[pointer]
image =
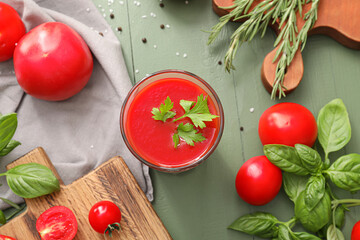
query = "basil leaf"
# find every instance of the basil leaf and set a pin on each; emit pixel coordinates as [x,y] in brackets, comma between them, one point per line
[314,191]
[286,158]
[334,233]
[306,236]
[9,147]
[31,180]
[8,125]
[2,217]
[345,172]
[340,216]
[284,233]
[294,185]
[334,130]
[315,219]
[310,158]
[259,224]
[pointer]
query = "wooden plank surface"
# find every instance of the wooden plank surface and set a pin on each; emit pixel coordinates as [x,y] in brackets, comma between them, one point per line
[111,181]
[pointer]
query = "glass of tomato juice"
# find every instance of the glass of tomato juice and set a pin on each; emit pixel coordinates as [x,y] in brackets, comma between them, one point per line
[152,141]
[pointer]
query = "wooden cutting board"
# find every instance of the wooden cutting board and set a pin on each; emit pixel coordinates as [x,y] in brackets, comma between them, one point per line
[111,181]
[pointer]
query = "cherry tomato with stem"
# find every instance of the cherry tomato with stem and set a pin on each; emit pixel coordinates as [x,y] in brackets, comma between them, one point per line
[355,233]
[288,124]
[11,30]
[105,217]
[52,62]
[58,223]
[258,181]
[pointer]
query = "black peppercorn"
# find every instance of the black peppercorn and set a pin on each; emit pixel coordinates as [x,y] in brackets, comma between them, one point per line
[144,40]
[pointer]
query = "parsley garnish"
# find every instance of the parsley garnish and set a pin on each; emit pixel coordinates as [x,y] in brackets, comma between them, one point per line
[163,112]
[199,113]
[188,133]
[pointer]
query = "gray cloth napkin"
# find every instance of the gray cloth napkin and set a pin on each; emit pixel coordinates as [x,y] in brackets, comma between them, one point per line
[82,132]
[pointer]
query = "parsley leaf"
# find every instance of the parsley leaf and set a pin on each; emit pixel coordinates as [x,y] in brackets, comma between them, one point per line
[188,133]
[163,112]
[199,113]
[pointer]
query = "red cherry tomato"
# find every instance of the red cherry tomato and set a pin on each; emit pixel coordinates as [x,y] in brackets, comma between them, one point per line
[3,237]
[104,217]
[258,181]
[11,30]
[288,124]
[52,62]
[57,223]
[355,234]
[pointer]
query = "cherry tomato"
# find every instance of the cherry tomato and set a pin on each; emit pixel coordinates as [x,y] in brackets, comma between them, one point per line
[288,124]
[11,30]
[52,62]
[258,181]
[105,217]
[355,234]
[57,223]
[3,237]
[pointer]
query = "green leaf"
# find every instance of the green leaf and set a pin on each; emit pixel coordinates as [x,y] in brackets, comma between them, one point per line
[334,126]
[199,114]
[286,158]
[306,236]
[9,147]
[31,180]
[340,216]
[14,205]
[188,133]
[317,218]
[334,233]
[294,185]
[163,112]
[284,233]
[345,172]
[314,191]
[310,158]
[260,224]
[8,125]
[2,217]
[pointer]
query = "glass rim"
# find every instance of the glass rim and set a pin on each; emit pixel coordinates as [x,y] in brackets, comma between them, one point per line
[191,164]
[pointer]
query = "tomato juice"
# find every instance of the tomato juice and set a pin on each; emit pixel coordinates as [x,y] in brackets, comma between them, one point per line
[152,140]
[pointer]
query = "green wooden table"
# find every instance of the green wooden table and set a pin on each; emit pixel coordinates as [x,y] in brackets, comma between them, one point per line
[201,203]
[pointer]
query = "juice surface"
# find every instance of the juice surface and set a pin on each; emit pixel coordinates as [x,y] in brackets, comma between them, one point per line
[153,139]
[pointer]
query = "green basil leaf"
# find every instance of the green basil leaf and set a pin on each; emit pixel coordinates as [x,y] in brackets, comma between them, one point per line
[306,236]
[31,180]
[314,191]
[294,185]
[259,224]
[334,233]
[345,172]
[340,216]
[284,233]
[334,130]
[310,158]
[2,217]
[317,218]
[9,147]
[286,158]
[8,125]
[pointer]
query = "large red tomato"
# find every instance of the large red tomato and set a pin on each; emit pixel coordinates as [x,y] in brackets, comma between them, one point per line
[355,234]
[258,181]
[11,30]
[52,62]
[288,124]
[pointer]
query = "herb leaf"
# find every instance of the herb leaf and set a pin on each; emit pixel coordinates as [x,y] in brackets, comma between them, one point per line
[188,133]
[284,233]
[294,185]
[199,113]
[306,236]
[333,233]
[314,191]
[260,224]
[9,147]
[309,157]
[8,125]
[163,112]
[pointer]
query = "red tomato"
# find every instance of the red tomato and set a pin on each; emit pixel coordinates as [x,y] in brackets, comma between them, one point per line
[3,237]
[57,223]
[52,62]
[11,30]
[288,124]
[355,234]
[105,217]
[258,181]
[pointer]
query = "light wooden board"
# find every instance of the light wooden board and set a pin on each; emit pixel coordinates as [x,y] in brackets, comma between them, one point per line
[111,181]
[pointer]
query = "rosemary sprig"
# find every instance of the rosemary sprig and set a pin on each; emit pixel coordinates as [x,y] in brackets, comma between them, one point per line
[288,40]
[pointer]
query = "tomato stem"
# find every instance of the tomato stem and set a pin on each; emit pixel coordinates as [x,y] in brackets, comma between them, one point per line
[111,227]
